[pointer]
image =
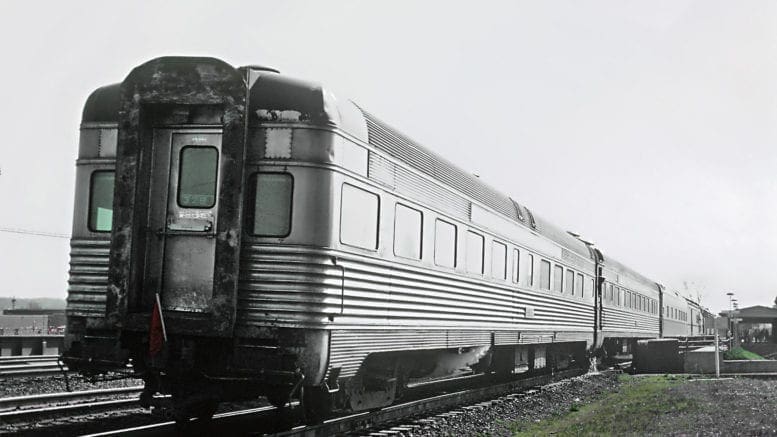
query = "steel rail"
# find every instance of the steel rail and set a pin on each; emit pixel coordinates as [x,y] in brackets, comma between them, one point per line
[16,402]
[27,358]
[251,419]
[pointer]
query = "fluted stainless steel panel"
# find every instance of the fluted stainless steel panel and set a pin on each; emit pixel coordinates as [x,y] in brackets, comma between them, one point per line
[621,320]
[358,297]
[414,185]
[88,277]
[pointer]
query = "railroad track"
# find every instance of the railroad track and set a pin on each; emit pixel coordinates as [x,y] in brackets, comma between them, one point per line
[265,420]
[29,407]
[35,365]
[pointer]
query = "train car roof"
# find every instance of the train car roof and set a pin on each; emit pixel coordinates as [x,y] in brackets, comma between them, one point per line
[274,95]
[102,106]
[622,269]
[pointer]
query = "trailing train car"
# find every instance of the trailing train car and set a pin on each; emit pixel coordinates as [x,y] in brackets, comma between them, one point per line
[239,233]
[676,319]
[695,318]
[630,308]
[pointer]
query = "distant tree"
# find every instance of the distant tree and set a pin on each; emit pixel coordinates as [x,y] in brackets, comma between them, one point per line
[775,302]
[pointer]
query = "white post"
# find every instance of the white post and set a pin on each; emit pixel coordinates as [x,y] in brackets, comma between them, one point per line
[717,355]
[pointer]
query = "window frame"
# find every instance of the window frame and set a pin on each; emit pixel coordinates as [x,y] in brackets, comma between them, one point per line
[420,232]
[516,266]
[455,243]
[558,268]
[251,214]
[90,201]
[494,244]
[543,263]
[180,172]
[482,270]
[377,221]
[569,282]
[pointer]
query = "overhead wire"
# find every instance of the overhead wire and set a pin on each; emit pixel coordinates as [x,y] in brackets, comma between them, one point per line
[33,232]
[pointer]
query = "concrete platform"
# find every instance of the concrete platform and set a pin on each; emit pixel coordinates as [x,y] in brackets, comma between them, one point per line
[703,361]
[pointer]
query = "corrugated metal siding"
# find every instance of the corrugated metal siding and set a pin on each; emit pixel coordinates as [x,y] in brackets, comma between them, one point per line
[287,284]
[416,186]
[296,286]
[620,320]
[676,328]
[388,140]
[88,277]
[406,150]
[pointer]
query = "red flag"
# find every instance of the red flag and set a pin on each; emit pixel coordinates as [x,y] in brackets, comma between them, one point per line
[156,330]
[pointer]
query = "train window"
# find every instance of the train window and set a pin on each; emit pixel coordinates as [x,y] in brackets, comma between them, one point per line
[579,285]
[558,278]
[407,231]
[529,278]
[618,297]
[590,290]
[444,244]
[474,254]
[569,284]
[544,275]
[101,201]
[516,265]
[359,217]
[272,204]
[197,177]
[498,260]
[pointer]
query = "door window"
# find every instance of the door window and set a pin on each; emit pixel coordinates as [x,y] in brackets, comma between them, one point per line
[197,177]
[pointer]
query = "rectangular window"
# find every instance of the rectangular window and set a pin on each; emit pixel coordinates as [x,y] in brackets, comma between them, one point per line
[101,201]
[529,270]
[544,275]
[569,284]
[498,260]
[618,297]
[474,253]
[272,204]
[590,289]
[579,285]
[408,223]
[359,211]
[444,244]
[197,177]
[516,265]
[558,278]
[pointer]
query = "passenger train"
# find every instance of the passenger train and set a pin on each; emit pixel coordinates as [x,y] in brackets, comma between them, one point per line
[239,233]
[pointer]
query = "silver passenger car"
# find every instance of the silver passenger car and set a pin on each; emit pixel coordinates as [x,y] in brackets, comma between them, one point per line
[240,233]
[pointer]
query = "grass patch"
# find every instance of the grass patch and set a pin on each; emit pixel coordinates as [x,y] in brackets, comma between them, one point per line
[632,410]
[738,353]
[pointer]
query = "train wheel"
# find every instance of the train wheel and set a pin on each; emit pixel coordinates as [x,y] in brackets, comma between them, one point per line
[278,399]
[317,404]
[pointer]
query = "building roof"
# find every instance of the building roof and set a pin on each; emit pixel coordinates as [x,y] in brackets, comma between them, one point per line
[752,314]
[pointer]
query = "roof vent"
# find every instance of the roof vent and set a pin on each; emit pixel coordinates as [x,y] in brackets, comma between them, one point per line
[261,68]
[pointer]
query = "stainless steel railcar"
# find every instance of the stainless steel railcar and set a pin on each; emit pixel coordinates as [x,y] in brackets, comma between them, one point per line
[293,241]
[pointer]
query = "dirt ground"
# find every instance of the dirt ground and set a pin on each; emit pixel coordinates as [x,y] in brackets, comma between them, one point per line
[739,406]
[618,405]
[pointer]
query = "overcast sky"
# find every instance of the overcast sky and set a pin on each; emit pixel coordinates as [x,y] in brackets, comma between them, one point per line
[648,127]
